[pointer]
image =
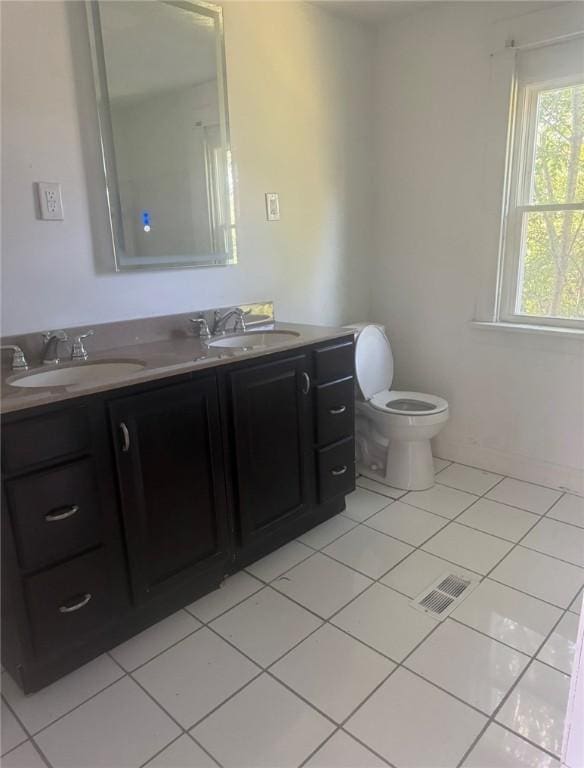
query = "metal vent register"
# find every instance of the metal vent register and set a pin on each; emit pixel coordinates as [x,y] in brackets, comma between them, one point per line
[444,595]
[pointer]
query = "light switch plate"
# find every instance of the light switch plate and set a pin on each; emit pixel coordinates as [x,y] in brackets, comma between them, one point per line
[50,201]
[272,206]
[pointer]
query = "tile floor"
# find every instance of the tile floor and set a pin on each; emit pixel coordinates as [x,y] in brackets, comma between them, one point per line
[313,656]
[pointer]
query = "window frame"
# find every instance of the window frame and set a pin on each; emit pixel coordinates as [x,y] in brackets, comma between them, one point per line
[522,133]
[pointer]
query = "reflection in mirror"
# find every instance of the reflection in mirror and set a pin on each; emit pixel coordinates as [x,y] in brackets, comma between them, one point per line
[162,109]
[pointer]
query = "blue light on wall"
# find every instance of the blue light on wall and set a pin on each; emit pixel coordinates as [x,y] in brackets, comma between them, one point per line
[146,221]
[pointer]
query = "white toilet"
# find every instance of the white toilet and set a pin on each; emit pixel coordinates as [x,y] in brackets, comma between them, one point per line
[393,429]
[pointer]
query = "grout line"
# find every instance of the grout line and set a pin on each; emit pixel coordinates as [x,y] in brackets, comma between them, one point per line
[328,620]
[29,736]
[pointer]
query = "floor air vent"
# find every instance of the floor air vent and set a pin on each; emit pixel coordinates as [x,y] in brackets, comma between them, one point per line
[444,595]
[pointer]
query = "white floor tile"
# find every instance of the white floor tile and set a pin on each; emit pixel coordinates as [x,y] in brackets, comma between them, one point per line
[536,707]
[469,665]
[499,748]
[141,648]
[328,531]
[468,479]
[24,756]
[533,498]
[361,504]
[382,488]
[182,753]
[559,650]
[441,500]
[412,723]
[576,604]
[266,625]
[38,709]
[540,576]
[341,751]
[469,548]
[333,671]
[274,564]
[12,732]
[121,726]
[440,464]
[322,585]
[508,615]
[196,675]
[557,540]
[418,571]
[569,509]
[266,725]
[368,551]
[498,519]
[407,523]
[385,620]
[233,590]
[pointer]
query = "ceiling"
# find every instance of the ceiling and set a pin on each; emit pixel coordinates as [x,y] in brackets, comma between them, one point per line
[373,11]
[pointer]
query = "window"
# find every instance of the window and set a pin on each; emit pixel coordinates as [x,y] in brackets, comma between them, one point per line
[543,258]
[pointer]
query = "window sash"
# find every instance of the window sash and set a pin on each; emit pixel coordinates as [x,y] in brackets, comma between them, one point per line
[522,169]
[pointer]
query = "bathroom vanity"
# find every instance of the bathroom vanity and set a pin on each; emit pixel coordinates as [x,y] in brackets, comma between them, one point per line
[123,502]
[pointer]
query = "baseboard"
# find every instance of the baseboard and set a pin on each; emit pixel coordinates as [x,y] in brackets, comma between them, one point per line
[512,464]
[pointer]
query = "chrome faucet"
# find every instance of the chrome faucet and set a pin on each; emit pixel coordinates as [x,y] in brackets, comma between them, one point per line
[78,351]
[51,351]
[204,332]
[220,320]
[19,361]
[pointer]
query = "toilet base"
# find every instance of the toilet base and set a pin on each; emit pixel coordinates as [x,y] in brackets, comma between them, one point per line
[408,466]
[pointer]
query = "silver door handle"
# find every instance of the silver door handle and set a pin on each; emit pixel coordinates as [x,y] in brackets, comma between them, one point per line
[61,514]
[339,470]
[306,383]
[76,606]
[125,437]
[337,411]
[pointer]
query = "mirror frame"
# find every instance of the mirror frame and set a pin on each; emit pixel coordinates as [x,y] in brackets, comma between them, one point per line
[122,262]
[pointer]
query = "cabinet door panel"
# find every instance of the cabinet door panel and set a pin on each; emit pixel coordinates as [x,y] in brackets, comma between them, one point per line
[272,427]
[168,445]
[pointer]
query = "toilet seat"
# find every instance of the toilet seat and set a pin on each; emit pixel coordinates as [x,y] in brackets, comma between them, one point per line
[408,403]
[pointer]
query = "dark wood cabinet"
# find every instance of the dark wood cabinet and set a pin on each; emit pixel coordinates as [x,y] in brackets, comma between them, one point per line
[121,507]
[272,425]
[172,487]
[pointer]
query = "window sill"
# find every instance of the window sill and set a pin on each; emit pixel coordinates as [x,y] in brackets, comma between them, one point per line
[540,330]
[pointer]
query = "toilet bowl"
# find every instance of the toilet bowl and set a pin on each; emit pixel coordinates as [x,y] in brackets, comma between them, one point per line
[393,428]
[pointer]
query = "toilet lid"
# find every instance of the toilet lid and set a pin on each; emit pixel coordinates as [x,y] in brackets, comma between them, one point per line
[373,361]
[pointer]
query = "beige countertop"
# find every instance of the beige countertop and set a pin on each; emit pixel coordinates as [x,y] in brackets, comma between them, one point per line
[161,359]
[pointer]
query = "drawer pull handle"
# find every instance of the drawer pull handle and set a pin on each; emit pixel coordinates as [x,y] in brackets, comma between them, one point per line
[61,514]
[125,437]
[76,606]
[339,470]
[339,410]
[306,383]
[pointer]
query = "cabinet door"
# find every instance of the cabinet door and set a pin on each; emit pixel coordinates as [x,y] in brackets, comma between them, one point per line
[272,435]
[169,456]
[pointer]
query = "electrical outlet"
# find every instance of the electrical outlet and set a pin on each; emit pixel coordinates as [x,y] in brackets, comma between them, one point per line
[50,203]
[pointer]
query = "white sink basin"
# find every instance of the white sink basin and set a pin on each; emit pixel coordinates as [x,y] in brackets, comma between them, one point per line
[84,373]
[254,340]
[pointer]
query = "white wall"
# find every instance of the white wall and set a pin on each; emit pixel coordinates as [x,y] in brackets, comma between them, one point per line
[299,95]
[517,402]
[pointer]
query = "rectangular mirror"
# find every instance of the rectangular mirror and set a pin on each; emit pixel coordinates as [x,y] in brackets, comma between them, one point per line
[162,104]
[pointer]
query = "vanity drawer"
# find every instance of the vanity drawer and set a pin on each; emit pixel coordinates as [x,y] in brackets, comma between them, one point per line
[336,469]
[334,362]
[40,439]
[69,602]
[335,411]
[55,514]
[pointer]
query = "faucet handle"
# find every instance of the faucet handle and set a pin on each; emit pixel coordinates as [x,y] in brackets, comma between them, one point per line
[19,361]
[204,332]
[78,351]
[240,324]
